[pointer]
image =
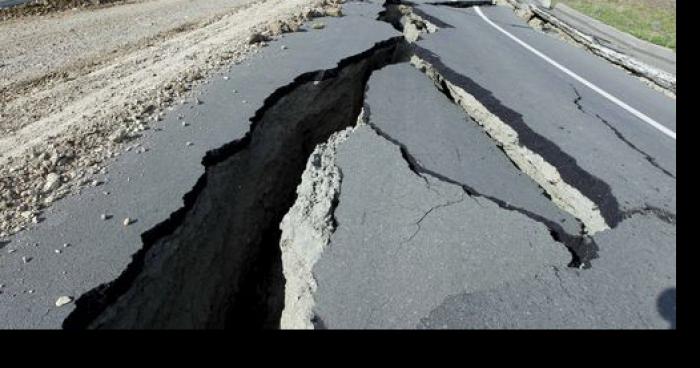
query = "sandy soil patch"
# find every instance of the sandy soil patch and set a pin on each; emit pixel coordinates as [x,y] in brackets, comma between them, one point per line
[76,86]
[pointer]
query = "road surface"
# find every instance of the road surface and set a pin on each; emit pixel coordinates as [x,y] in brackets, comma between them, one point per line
[344,177]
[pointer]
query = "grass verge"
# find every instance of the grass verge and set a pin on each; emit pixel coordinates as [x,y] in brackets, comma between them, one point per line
[650,20]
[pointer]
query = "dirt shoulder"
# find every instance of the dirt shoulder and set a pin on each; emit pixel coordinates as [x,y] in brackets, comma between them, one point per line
[75,87]
[18,8]
[35,47]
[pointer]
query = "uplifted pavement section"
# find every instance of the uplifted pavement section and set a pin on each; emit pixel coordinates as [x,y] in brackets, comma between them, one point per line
[405,242]
[439,138]
[408,234]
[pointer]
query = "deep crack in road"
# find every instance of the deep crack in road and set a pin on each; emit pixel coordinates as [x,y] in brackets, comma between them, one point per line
[401,189]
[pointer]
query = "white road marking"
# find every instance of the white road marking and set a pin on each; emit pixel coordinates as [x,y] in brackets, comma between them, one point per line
[577,77]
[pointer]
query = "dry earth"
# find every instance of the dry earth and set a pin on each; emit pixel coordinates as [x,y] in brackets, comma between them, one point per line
[18,8]
[76,86]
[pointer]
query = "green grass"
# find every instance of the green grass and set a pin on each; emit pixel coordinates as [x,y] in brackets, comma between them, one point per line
[650,20]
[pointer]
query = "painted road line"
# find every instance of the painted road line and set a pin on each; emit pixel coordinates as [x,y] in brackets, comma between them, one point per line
[580,79]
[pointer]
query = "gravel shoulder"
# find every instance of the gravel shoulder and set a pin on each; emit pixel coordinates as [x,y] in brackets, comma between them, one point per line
[77,85]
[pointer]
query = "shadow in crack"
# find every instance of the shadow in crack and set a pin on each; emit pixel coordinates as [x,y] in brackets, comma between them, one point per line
[216,263]
[666,304]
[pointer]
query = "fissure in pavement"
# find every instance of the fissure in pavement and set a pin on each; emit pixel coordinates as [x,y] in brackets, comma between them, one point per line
[583,248]
[591,200]
[577,101]
[216,263]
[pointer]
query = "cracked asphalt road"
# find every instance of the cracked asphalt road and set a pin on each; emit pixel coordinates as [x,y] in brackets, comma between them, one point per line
[434,224]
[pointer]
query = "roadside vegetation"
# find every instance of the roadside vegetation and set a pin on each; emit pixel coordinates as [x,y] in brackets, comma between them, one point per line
[650,20]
